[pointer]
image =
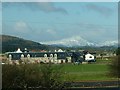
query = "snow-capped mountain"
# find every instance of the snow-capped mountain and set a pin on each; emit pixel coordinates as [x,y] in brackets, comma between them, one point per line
[109,43]
[79,41]
[73,41]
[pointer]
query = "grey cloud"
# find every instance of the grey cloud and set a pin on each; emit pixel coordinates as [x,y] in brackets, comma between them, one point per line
[49,7]
[36,6]
[106,11]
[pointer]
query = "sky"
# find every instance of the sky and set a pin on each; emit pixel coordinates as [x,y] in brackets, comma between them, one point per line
[51,21]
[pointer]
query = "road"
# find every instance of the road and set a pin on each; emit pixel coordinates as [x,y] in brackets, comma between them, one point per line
[87,84]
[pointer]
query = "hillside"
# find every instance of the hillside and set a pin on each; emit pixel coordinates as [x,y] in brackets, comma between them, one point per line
[11,43]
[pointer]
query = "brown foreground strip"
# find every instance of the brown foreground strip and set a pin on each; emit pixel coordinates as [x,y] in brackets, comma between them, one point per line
[93,84]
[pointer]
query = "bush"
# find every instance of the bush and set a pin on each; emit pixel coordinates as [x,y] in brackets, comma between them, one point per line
[47,76]
[115,67]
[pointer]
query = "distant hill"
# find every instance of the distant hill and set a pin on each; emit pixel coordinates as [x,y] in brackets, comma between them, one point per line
[12,43]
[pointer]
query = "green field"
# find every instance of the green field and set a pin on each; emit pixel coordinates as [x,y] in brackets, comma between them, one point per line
[46,75]
[97,71]
[88,72]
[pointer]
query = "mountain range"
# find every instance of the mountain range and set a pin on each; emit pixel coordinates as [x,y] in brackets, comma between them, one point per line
[12,43]
[79,41]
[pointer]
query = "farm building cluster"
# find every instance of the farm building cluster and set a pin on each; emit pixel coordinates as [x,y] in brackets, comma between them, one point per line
[55,57]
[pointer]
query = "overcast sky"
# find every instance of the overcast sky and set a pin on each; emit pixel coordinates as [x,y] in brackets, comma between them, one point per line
[50,21]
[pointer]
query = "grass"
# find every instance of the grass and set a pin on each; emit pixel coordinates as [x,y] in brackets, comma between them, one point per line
[43,75]
[104,61]
[88,72]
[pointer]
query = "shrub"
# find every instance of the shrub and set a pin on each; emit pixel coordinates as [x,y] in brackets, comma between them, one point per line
[46,76]
[115,67]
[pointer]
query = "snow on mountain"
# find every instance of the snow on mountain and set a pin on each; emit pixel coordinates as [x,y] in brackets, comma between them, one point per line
[79,41]
[73,41]
[109,43]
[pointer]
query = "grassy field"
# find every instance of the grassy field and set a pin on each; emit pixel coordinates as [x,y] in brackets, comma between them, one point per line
[97,71]
[88,72]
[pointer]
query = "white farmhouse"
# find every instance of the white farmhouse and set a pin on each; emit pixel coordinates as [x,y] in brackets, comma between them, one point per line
[89,57]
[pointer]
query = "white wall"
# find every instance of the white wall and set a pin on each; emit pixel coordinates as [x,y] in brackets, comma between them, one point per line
[89,57]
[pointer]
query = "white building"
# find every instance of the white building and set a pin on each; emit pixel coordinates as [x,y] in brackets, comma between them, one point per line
[89,57]
[18,51]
